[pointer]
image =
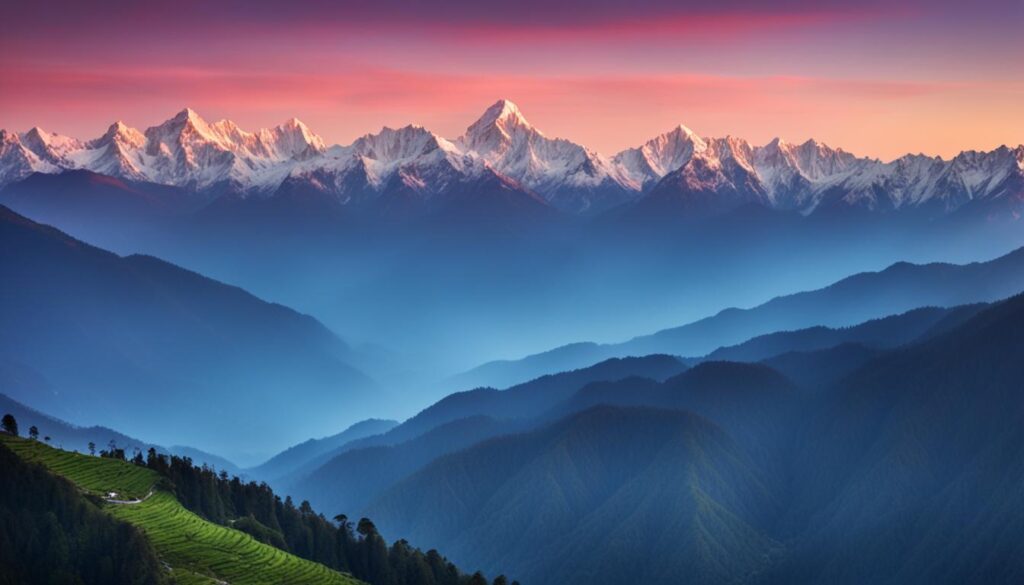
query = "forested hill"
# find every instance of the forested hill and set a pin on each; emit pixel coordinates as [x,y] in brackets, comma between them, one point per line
[51,533]
[203,527]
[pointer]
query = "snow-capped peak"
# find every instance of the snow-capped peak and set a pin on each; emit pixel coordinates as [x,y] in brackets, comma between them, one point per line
[17,160]
[188,115]
[503,113]
[49,146]
[495,131]
[291,140]
[122,134]
[566,174]
[392,145]
[189,126]
[683,130]
[661,155]
[187,151]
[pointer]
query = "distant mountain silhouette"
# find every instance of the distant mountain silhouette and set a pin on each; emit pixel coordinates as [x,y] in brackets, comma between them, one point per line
[904,467]
[870,295]
[818,369]
[455,422]
[141,345]
[528,399]
[333,486]
[919,464]
[609,495]
[813,357]
[69,437]
[883,333]
[81,195]
[308,452]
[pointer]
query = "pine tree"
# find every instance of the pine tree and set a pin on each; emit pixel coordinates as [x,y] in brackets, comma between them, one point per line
[10,425]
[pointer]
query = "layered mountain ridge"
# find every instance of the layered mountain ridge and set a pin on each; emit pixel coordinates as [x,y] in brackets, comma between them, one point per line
[411,167]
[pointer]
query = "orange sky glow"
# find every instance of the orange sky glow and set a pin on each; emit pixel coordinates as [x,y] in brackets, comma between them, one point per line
[881,81]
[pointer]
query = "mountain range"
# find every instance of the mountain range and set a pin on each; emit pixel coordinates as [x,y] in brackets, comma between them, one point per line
[860,297]
[810,357]
[903,470]
[455,422]
[316,451]
[410,171]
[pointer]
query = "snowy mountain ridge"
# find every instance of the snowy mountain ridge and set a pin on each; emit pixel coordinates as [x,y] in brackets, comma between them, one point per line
[219,157]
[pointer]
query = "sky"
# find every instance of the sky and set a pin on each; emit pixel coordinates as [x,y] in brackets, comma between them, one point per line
[876,78]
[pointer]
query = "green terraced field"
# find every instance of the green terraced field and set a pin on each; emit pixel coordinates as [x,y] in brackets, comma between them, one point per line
[190,543]
[198,551]
[93,474]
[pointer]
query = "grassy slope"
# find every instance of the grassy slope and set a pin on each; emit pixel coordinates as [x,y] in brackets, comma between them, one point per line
[92,474]
[199,551]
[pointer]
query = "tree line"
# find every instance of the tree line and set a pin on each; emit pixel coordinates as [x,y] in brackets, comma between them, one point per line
[355,547]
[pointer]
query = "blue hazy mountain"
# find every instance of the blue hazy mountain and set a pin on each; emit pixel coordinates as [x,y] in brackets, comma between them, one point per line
[69,437]
[882,333]
[870,295]
[455,422]
[609,495]
[811,357]
[313,451]
[903,471]
[522,401]
[149,348]
[399,243]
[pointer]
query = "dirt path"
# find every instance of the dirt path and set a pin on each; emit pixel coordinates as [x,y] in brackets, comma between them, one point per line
[129,502]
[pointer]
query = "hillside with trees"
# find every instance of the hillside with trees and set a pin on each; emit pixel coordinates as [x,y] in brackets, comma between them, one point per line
[205,527]
[51,533]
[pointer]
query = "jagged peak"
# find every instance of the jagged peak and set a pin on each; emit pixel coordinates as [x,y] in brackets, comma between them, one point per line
[37,132]
[732,143]
[120,130]
[503,117]
[685,130]
[407,129]
[226,125]
[188,114]
[297,124]
[190,126]
[679,132]
[190,119]
[504,109]
[48,145]
[8,137]
[402,131]
[296,127]
[392,144]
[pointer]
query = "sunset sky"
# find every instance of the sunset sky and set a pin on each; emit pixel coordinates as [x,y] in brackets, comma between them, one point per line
[876,78]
